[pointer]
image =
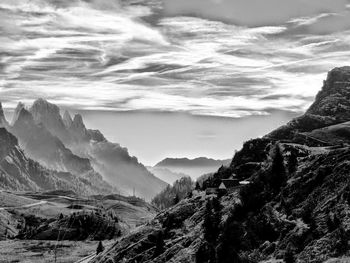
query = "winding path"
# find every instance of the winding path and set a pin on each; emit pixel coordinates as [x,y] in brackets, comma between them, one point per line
[24,206]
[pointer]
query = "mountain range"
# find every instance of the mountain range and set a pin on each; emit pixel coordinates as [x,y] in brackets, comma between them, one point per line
[293,206]
[190,167]
[64,144]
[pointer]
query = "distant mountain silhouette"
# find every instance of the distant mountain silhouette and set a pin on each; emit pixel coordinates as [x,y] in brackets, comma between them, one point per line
[165,174]
[192,167]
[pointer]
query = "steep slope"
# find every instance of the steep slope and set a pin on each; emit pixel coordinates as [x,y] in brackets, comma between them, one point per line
[331,106]
[295,207]
[19,173]
[109,159]
[3,121]
[193,167]
[171,195]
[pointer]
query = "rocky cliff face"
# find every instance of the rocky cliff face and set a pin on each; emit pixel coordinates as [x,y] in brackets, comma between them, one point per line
[334,98]
[41,145]
[49,116]
[295,207]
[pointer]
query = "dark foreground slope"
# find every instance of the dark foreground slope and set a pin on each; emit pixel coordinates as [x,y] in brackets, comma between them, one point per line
[295,208]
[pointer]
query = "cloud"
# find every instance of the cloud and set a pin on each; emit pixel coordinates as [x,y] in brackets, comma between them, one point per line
[102,56]
[253,12]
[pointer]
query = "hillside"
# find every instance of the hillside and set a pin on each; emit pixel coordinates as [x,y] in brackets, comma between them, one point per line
[295,207]
[173,194]
[32,222]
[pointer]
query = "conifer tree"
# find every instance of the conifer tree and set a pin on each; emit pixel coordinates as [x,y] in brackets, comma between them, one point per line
[100,248]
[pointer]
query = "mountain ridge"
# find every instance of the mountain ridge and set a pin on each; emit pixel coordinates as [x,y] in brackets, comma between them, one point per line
[191,162]
[65,144]
[192,167]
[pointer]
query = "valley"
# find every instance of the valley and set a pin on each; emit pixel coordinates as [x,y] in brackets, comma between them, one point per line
[23,216]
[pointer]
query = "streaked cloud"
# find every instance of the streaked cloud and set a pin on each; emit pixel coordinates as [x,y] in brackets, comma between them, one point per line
[101,55]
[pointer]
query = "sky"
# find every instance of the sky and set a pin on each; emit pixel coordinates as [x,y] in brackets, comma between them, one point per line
[156,75]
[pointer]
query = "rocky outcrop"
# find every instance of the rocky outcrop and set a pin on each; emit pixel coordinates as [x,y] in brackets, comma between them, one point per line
[334,98]
[78,131]
[331,107]
[18,109]
[67,119]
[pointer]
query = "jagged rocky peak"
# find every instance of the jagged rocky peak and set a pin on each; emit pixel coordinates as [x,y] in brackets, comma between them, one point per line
[78,121]
[334,98]
[67,119]
[1,111]
[43,111]
[78,128]
[97,136]
[23,116]
[18,109]
[48,114]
